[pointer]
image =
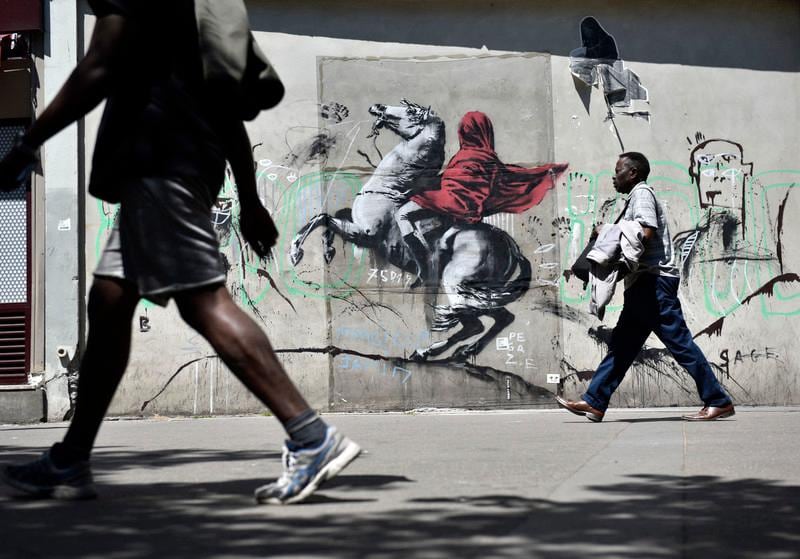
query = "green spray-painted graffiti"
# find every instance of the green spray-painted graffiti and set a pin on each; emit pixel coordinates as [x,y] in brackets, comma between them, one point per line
[292,200]
[729,230]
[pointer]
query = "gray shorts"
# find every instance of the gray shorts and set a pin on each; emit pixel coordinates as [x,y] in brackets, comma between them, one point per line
[163,241]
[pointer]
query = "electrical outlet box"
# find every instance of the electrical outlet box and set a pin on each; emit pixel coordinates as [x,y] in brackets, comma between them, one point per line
[553,379]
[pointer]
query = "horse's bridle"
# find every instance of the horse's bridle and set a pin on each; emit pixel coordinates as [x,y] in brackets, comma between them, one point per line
[381,120]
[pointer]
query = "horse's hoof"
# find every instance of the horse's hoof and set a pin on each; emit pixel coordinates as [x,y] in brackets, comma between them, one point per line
[296,255]
[418,356]
[464,353]
[328,255]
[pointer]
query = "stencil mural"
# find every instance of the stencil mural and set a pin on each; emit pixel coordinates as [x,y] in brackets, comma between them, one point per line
[478,266]
[427,230]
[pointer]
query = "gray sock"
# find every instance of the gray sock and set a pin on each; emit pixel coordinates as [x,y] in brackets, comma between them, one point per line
[306,430]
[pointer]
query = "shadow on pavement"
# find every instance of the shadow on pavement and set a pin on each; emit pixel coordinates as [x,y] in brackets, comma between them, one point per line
[115,458]
[646,516]
[651,419]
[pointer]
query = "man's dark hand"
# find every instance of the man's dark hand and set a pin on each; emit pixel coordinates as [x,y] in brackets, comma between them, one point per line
[17,166]
[258,229]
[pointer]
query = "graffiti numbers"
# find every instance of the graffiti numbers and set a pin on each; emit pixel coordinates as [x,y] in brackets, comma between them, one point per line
[390,276]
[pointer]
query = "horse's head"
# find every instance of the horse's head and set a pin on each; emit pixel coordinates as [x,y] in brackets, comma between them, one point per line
[406,120]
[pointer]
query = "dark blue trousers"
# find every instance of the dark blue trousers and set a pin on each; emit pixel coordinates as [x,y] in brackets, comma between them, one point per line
[652,305]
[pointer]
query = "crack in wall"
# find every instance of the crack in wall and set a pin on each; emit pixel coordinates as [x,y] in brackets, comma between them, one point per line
[484,373]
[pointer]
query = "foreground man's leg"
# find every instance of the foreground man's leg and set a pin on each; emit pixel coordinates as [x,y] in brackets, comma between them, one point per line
[63,471]
[315,452]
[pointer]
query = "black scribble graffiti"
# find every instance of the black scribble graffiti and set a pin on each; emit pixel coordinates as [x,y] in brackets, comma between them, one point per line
[607,208]
[317,149]
[374,305]
[335,112]
[715,328]
[573,372]
[715,226]
[655,363]
[262,273]
[658,363]
[365,156]
[767,289]
[563,311]
[779,229]
[239,292]
[355,307]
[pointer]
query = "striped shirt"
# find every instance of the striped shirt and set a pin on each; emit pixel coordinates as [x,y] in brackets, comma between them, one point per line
[658,257]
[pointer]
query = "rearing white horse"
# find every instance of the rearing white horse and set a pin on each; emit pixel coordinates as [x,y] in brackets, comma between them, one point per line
[410,167]
[480,268]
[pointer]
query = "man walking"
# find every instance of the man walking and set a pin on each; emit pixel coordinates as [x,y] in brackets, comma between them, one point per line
[161,152]
[651,305]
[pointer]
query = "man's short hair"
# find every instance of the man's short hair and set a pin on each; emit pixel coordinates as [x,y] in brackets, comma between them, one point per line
[639,162]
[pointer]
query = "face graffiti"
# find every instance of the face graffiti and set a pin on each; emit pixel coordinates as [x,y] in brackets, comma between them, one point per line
[718,169]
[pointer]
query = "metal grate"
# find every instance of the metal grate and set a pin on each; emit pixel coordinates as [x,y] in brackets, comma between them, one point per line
[13,346]
[13,232]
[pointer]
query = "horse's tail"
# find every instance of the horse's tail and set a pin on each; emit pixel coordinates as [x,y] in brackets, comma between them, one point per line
[479,298]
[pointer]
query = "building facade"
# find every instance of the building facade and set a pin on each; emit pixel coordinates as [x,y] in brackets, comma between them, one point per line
[376,94]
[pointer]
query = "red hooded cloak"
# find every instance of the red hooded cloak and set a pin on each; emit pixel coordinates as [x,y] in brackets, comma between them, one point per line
[476,183]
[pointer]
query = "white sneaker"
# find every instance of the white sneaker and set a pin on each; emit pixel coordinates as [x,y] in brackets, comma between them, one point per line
[306,469]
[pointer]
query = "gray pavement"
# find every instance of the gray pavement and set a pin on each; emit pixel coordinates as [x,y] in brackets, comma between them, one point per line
[458,484]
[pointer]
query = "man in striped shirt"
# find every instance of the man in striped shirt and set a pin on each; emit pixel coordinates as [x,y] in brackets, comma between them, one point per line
[651,305]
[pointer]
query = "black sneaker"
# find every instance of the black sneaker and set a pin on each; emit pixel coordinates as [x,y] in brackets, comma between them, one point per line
[41,478]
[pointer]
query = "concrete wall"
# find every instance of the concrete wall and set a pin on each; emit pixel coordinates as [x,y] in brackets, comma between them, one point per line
[348,330]
[63,219]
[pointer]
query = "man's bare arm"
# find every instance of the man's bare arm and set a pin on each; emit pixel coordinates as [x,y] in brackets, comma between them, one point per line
[256,225]
[90,82]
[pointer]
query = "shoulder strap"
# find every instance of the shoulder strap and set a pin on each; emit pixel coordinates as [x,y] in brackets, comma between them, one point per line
[646,187]
[625,207]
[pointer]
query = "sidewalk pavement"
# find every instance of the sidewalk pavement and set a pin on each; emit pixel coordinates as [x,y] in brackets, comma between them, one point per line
[534,484]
